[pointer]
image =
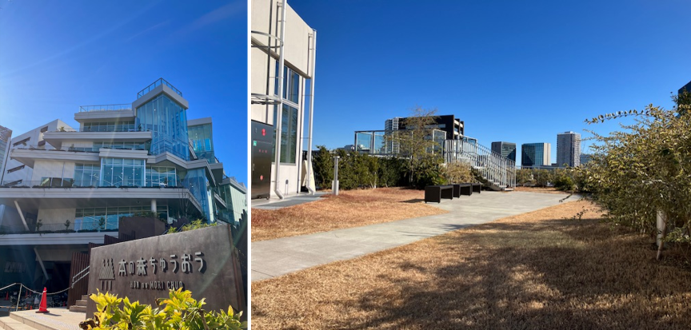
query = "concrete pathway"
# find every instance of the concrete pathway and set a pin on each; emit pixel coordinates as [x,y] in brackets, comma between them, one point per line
[290,254]
[275,204]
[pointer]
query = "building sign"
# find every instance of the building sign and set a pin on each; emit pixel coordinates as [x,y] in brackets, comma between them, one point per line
[201,261]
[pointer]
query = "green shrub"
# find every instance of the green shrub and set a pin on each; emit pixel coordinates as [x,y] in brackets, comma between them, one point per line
[179,311]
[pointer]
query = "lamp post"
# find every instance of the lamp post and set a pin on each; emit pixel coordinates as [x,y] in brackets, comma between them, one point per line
[334,184]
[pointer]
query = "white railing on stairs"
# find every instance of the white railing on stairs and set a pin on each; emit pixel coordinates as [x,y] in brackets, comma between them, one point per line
[497,170]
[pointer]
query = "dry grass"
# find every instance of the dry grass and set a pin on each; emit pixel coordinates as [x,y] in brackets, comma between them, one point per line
[532,271]
[544,190]
[349,209]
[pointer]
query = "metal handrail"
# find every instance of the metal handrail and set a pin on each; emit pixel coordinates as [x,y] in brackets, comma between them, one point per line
[80,274]
[493,167]
[104,107]
[158,82]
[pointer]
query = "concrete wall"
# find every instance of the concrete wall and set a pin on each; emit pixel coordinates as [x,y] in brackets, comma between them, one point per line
[54,219]
[53,169]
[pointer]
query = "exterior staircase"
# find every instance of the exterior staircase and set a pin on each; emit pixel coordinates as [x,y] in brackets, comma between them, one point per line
[498,172]
[80,307]
[57,319]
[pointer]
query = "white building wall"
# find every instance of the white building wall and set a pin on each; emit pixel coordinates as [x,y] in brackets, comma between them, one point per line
[297,56]
[54,218]
[35,136]
[52,169]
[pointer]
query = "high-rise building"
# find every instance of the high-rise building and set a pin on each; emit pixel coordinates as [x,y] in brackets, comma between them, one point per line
[568,149]
[283,65]
[75,185]
[535,154]
[505,149]
[585,158]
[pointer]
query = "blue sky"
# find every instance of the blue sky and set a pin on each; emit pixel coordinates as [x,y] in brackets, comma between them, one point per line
[517,71]
[58,55]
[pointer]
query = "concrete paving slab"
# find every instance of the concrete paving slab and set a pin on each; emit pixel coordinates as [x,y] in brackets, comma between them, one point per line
[275,204]
[290,254]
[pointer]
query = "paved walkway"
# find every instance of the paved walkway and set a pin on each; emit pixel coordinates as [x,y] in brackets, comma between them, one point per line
[275,204]
[290,254]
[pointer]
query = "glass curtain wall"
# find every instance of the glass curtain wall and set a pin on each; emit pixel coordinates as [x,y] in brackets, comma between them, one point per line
[202,142]
[108,218]
[167,121]
[200,188]
[289,133]
[118,172]
[161,176]
[87,175]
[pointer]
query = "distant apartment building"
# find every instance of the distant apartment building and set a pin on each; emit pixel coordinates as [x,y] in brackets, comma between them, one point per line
[568,149]
[685,88]
[505,149]
[585,158]
[535,154]
[453,126]
[283,53]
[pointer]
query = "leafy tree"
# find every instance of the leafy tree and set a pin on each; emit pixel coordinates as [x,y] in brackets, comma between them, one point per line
[323,167]
[458,172]
[644,169]
[416,143]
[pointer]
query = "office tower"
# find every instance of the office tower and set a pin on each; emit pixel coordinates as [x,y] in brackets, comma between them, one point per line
[568,149]
[535,154]
[505,149]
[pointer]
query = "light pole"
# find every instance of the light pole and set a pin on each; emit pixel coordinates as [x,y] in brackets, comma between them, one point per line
[334,184]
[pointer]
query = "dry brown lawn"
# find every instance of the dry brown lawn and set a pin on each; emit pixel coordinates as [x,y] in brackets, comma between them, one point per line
[539,270]
[351,208]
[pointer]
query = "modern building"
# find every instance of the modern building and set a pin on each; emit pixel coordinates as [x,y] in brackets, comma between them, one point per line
[15,172]
[5,141]
[145,157]
[585,158]
[282,88]
[505,149]
[568,149]
[535,154]
[453,126]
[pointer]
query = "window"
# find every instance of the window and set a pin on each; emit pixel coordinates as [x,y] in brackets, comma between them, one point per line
[22,142]
[291,84]
[119,172]
[289,123]
[41,143]
[15,169]
[86,175]
[13,183]
[45,129]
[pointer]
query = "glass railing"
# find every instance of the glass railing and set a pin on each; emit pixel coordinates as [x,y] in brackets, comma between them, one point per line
[72,183]
[105,107]
[158,82]
[72,149]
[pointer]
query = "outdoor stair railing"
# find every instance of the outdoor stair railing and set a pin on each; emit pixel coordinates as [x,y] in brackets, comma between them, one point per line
[499,171]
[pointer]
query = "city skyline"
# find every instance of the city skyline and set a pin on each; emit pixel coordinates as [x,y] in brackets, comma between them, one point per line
[508,77]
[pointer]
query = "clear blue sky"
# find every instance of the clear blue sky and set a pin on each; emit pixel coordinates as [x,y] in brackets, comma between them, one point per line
[517,71]
[58,55]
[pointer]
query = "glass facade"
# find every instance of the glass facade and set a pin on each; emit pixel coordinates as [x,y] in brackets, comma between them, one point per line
[289,133]
[119,172]
[87,175]
[161,176]
[107,218]
[167,121]
[202,142]
[120,145]
[200,188]
[126,126]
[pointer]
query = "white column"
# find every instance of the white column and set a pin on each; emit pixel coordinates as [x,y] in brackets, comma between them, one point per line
[153,205]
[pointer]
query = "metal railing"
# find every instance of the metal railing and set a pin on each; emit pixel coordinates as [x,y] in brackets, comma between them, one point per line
[71,149]
[104,107]
[158,82]
[79,276]
[71,183]
[497,170]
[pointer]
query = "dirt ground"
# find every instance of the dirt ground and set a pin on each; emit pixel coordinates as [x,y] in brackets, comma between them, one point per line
[545,190]
[351,208]
[540,270]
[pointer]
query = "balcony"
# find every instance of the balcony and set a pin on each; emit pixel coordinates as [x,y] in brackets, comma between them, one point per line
[158,82]
[105,107]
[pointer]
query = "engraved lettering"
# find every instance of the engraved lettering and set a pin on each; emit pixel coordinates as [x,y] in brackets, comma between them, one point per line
[186,266]
[199,259]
